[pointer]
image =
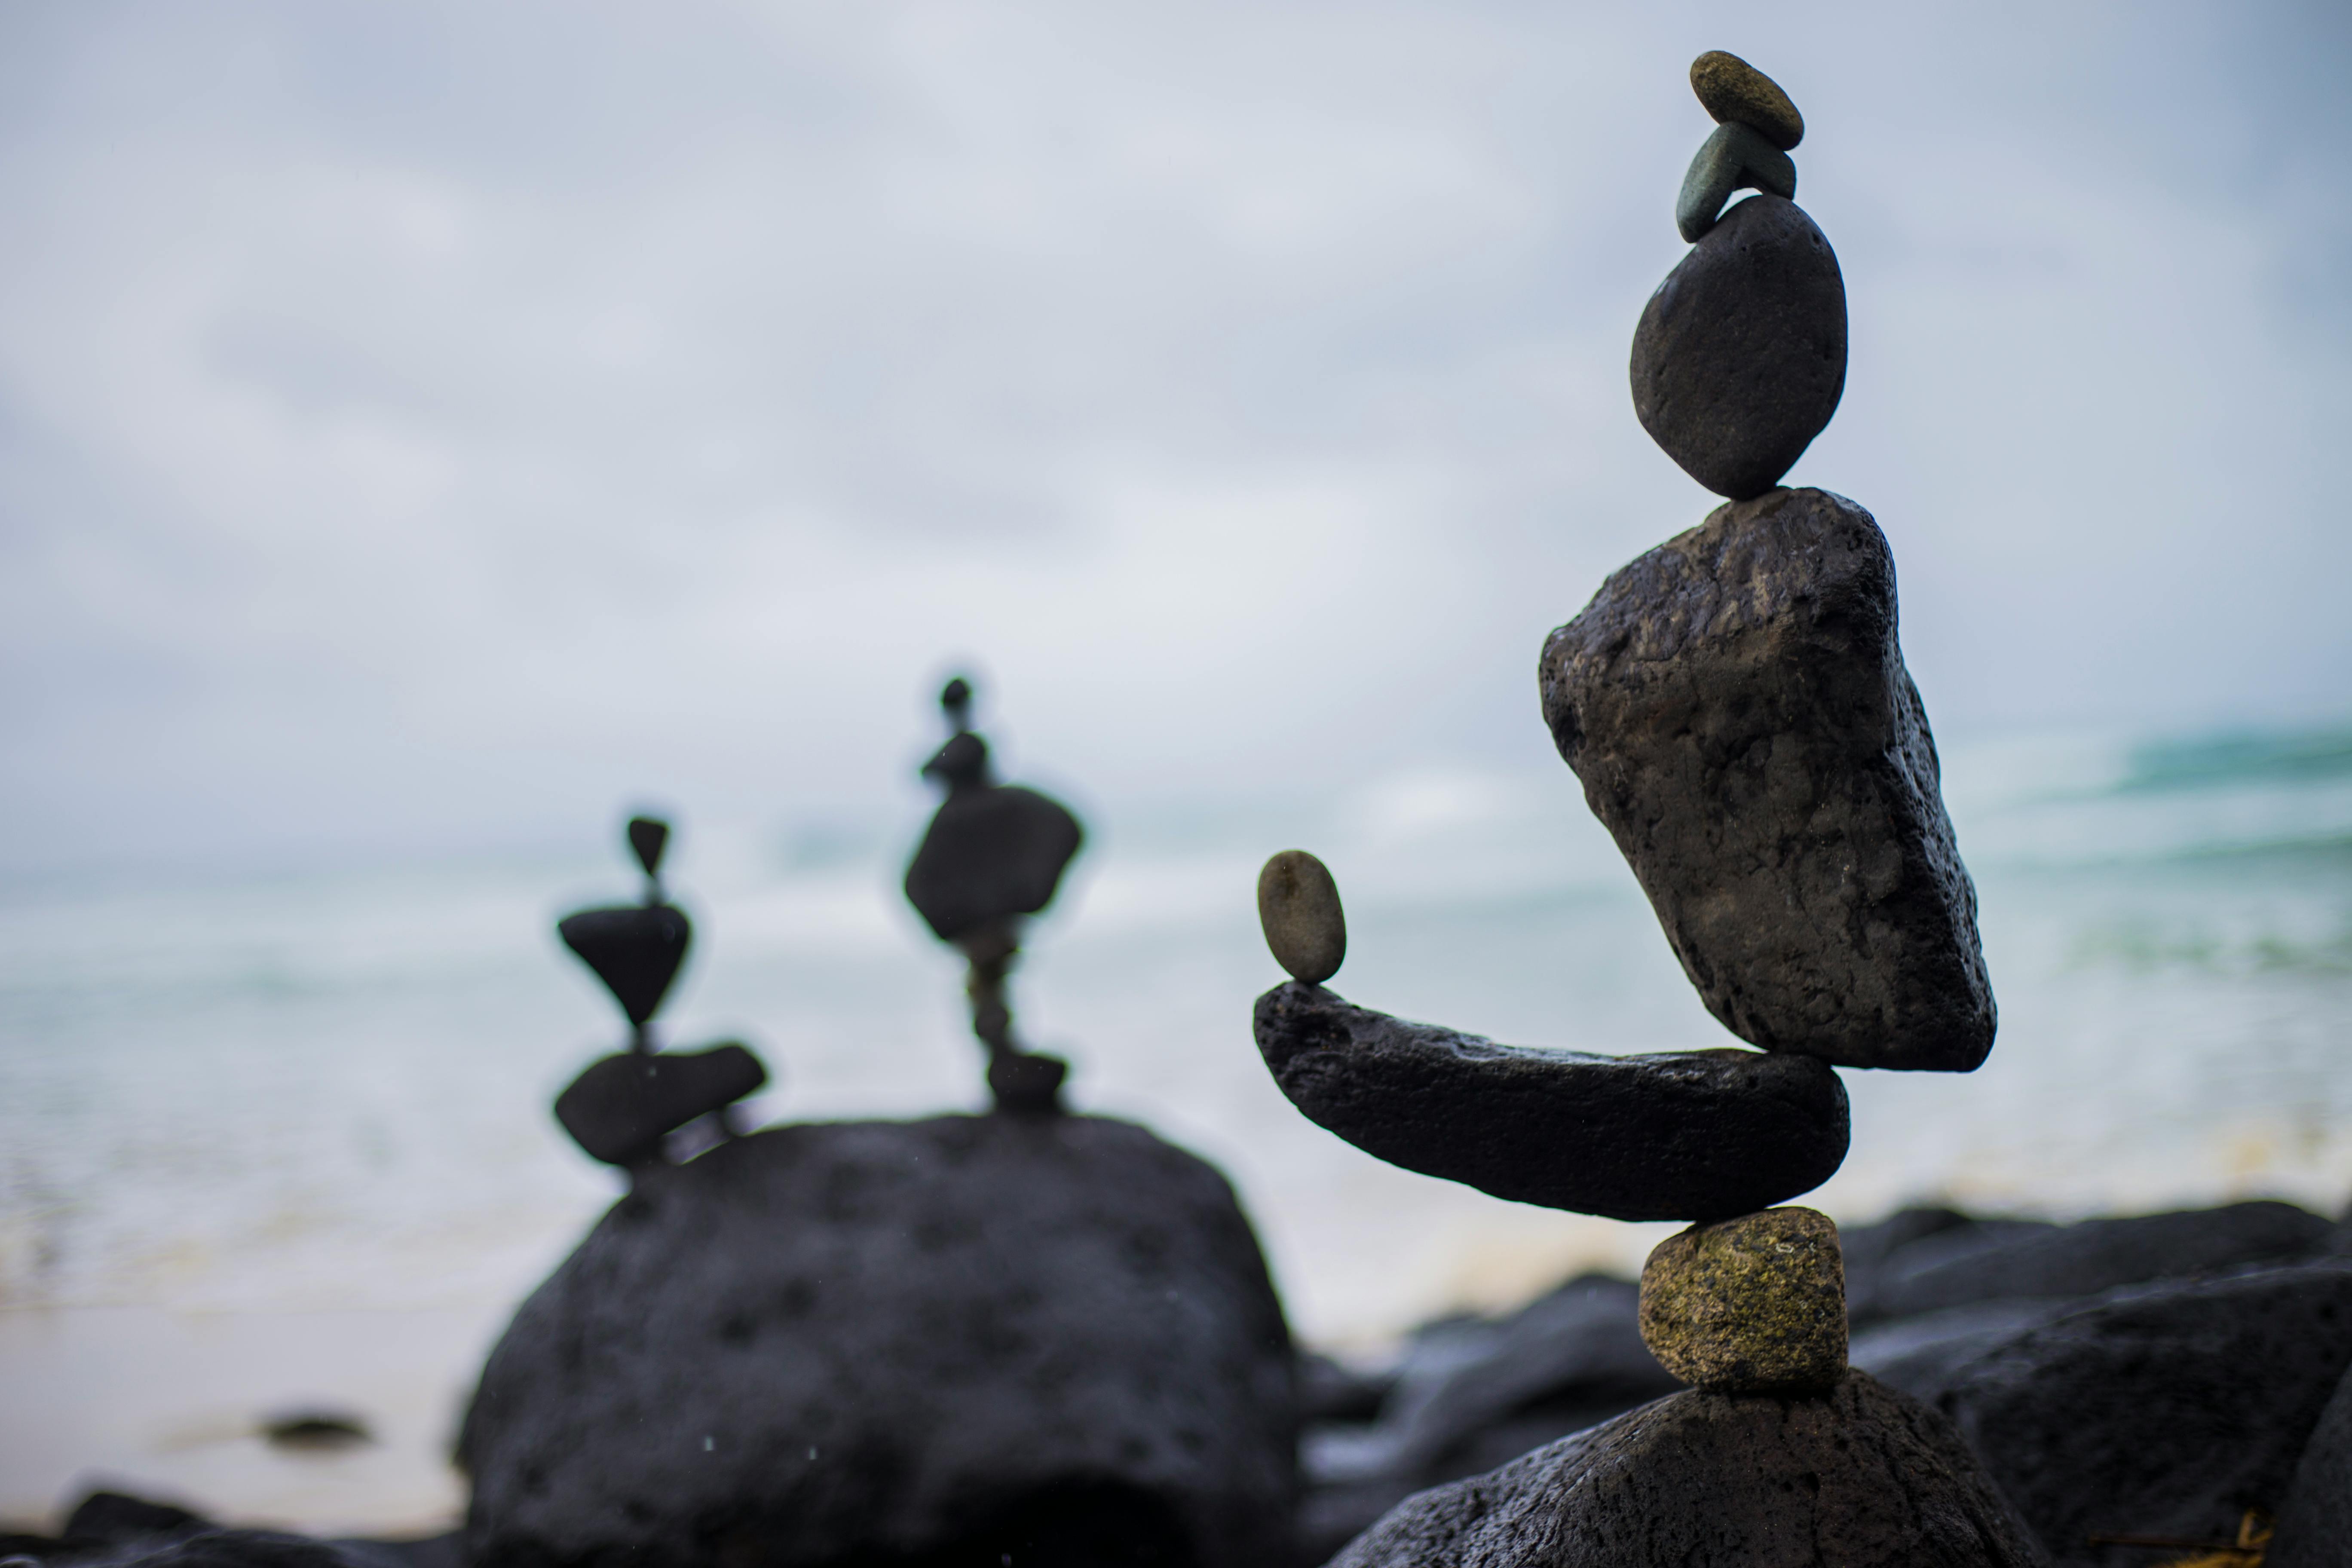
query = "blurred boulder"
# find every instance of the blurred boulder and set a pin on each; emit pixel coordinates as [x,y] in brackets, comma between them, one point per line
[1047,1338]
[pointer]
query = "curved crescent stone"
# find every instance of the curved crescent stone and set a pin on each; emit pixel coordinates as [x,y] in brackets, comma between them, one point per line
[1694,1135]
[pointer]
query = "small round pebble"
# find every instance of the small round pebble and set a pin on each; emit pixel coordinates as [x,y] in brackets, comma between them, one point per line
[1751,1305]
[1299,908]
[1732,90]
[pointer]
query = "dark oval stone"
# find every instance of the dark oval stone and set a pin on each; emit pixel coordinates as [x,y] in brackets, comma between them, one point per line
[1692,1135]
[1739,359]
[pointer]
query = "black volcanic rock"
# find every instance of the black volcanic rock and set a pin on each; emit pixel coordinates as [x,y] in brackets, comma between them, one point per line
[993,851]
[1736,704]
[2165,1410]
[635,949]
[2315,1520]
[1694,1135]
[1739,358]
[877,1341]
[1861,1477]
[621,1106]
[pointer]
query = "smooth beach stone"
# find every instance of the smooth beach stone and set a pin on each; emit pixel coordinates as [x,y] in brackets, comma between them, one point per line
[944,1342]
[648,837]
[1739,359]
[622,1108]
[1734,92]
[1734,158]
[1026,1083]
[1749,1305]
[635,949]
[1299,910]
[1688,1135]
[1736,704]
[1859,1476]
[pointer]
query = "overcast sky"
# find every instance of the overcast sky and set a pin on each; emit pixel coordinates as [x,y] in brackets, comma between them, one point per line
[435,423]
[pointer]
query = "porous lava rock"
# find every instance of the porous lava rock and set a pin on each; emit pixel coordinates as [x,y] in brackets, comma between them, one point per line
[1739,357]
[1859,1476]
[2165,1410]
[885,1341]
[1687,1136]
[1736,704]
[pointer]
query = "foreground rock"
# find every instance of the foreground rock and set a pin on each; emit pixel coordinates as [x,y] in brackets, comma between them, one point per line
[965,1335]
[2315,1520]
[1739,357]
[2165,1410]
[1861,1477]
[1736,704]
[1692,1135]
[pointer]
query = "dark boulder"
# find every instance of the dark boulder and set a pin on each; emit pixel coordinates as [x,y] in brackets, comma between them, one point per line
[897,1340]
[115,1518]
[2165,1410]
[2010,1259]
[2315,1522]
[220,1549]
[1861,1477]
[1736,705]
[1476,1394]
[1692,1136]
[1739,359]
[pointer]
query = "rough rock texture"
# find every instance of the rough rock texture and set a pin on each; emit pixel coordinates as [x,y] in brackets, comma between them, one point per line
[1472,1393]
[2158,1410]
[621,1106]
[635,949]
[868,1340]
[1735,158]
[1694,1135]
[1736,705]
[1993,1260]
[1732,90]
[1299,910]
[1749,1305]
[1739,358]
[221,1549]
[2315,1520]
[1859,1477]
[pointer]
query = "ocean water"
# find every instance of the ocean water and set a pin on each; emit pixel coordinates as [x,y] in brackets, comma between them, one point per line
[276,1141]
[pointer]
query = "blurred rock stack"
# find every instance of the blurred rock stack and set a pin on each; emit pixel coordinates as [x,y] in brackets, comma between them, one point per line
[624,1108]
[1735,705]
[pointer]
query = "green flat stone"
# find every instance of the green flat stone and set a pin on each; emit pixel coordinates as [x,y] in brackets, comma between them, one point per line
[1733,158]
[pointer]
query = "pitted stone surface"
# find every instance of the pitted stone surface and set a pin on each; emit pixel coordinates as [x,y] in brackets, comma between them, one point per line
[866,1340]
[1739,359]
[1749,1305]
[1692,1136]
[1736,705]
[1861,1477]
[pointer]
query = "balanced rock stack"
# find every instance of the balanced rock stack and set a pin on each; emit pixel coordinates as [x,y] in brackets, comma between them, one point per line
[993,856]
[1735,705]
[624,1108]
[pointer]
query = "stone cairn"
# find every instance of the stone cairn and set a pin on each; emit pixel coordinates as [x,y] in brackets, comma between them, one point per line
[624,1108]
[993,856]
[1735,705]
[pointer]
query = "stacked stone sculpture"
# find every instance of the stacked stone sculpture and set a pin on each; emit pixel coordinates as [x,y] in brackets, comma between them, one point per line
[623,1108]
[1735,705]
[993,856]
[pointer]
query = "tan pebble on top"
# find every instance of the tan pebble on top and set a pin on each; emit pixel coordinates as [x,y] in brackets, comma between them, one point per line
[1732,90]
[1298,907]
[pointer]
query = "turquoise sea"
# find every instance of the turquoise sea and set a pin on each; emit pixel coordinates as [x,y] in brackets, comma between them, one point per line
[275,1139]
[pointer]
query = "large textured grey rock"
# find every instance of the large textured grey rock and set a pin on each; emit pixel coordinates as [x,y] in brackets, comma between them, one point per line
[1692,1136]
[1739,357]
[876,1339]
[1471,1394]
[1861,1477]
[1736,705]
[2165,1410]
[1998,1260]
[2315,1522]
